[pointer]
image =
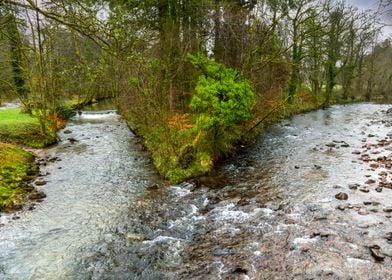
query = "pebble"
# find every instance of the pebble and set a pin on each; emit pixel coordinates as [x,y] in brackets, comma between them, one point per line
[67,131]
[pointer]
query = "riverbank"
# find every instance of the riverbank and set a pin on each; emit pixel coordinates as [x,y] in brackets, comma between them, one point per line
[92,176]
[179,154]
[17,169]
[17,166]
[22,129]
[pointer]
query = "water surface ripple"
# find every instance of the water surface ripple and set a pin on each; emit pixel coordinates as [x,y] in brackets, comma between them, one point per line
[99,171]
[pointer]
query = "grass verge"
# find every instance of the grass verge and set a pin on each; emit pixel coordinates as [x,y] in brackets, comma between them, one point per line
[20,128]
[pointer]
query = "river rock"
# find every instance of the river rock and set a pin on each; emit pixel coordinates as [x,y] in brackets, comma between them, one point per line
[67,131]
[72,140]
[387,209]
[379,189]
[376,253]
[222,252]
[331,145]
[356,152]
[53,159]
[135,237]
[341,196]
[17,206]
[363,212]
[367,202]
[353,186]
[40,182]
[364,189]
[370,181]
[37,195]
[374,165]
[153,187]
[388,236]
[341,207]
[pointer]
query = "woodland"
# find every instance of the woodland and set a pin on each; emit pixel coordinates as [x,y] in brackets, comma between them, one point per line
[193,79]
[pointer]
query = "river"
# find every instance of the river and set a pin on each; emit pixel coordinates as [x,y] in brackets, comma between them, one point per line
[268,212]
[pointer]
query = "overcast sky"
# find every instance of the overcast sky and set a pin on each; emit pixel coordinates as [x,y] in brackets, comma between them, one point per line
[373,4]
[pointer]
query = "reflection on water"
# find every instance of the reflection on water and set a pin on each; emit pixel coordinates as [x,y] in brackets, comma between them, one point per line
[101,105]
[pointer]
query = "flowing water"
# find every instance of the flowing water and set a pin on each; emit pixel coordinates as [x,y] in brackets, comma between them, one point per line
[93,176]
[268,212]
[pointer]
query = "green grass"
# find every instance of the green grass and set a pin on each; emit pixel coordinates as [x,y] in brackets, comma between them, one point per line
[21,128]
[16,166]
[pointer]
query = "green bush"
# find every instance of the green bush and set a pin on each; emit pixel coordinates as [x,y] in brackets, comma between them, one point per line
[221,105]
[185,145]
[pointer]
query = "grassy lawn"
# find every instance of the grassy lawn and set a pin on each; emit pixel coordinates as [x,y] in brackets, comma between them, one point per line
[16,166]
[19,128]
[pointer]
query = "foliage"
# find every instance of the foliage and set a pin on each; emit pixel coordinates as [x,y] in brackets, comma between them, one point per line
[187,145]
[222,103]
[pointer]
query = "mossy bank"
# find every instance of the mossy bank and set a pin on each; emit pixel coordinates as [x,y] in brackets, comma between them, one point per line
[17,168]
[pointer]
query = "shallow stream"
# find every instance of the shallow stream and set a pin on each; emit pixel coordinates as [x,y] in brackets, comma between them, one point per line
[268,212]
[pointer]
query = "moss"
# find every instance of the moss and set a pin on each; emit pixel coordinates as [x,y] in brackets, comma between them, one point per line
[16,167]
[21,128]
